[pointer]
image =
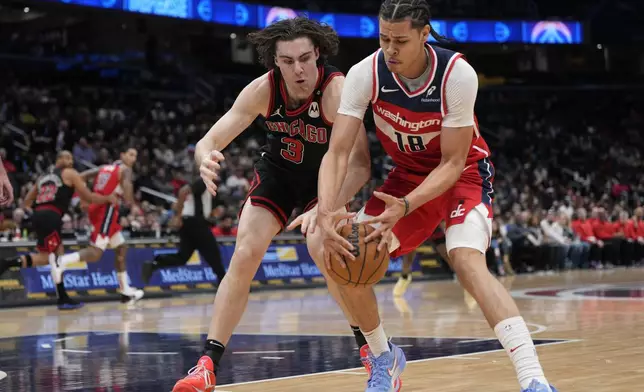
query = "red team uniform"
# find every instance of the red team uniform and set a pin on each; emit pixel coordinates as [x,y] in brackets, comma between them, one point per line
[105,217]
[408,124]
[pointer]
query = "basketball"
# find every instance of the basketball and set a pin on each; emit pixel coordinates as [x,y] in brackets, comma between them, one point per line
[369,266]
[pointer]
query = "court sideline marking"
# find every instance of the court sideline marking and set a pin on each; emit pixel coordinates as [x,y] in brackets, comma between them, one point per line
[412,361]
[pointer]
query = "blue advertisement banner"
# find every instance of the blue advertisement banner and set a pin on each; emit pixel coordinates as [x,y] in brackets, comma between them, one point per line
[281,262]
[347,25]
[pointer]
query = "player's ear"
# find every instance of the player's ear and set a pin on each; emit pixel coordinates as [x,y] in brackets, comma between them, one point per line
[424,33]
[317,53]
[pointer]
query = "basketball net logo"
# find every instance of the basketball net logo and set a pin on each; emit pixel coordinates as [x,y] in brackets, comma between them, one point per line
[314,110]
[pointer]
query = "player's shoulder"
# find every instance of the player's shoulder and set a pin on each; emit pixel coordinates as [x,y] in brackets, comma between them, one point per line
[333,83]
[256,96]
[262,84]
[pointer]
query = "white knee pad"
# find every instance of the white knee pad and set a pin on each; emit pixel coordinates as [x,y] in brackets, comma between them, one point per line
[474,233]
[102,242]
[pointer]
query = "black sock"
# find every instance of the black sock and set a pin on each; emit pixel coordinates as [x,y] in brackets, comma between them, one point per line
[404,276]
[62,293]
[214,350]
[360,339]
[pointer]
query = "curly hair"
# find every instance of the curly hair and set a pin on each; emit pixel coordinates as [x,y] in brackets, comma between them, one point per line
[417,11]
[323,37]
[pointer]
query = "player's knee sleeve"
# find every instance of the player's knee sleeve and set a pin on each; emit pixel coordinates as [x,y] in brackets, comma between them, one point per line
[474,233]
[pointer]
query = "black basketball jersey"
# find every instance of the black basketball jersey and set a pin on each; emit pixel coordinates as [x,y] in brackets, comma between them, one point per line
[298,138]
[52,191]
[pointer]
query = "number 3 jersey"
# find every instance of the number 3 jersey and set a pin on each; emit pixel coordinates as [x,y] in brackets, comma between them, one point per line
[298,138]
[52,192]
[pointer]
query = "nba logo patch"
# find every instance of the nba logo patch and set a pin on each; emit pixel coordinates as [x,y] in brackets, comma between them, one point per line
[314,110]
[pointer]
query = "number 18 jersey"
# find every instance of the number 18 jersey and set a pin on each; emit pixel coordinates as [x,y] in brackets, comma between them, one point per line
[298,138]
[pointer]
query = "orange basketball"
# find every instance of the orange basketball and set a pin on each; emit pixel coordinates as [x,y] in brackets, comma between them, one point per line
[369,266]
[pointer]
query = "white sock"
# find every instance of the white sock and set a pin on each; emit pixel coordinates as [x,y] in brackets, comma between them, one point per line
[69,258]
[58,278]
[516,340]
[123,281]
[377,341]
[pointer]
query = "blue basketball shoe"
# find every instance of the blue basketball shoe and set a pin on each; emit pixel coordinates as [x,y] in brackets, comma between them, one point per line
[536,386]
[386,371]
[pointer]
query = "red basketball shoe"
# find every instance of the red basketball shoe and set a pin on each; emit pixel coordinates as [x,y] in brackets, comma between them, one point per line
[200,378]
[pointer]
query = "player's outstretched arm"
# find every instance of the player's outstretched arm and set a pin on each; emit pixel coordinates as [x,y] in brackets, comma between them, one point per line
[358,171]
[359,160]
[251,102]
[456,135]
[356,94]
[31,196]
[71,176]
[127,185]
[90,173]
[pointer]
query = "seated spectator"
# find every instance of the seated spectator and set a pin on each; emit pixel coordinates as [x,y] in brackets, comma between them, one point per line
[604,230]
[579,250]
[637,234]
[225,228]
[500,249]
[583,228]
[524,242]
[555,240]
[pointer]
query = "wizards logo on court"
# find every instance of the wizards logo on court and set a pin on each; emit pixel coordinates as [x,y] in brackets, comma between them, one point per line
[607,292]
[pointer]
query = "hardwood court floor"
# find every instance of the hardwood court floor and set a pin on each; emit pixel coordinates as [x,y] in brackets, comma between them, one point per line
[589,327]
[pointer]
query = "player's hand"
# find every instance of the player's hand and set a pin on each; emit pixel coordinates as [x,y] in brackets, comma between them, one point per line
[6,190]
[334,244]
[307,220]
[394,210]
[112,199]
[209,168]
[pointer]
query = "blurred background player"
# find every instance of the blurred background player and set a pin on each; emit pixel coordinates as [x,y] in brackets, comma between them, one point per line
[193,207]
[50,198]
[438,240]
[106,230]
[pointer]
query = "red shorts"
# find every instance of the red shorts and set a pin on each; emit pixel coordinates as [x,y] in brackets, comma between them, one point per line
[472,191]
[105,225]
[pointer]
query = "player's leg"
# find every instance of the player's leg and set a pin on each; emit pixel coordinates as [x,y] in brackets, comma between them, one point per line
[128,293]
[268,199]
[187,246]
[387,360]
[316,249]
[405,277]
[102,219]
[209,249]
[469,230]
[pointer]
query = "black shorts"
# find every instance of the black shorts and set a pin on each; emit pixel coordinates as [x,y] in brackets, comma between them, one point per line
[281,191]
[48,225]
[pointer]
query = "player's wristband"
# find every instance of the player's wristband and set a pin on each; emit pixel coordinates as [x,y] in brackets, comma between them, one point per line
[404,199]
